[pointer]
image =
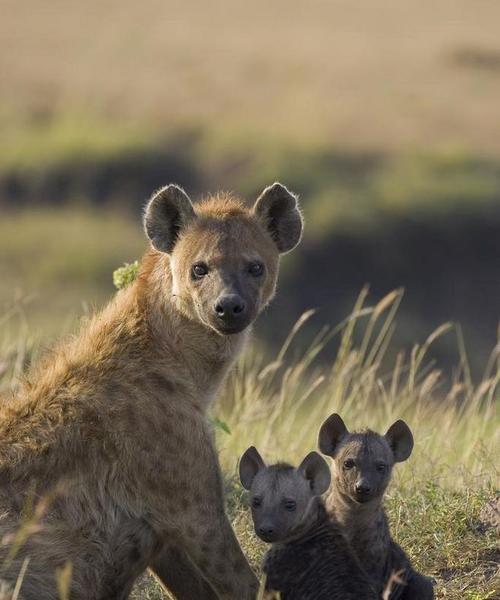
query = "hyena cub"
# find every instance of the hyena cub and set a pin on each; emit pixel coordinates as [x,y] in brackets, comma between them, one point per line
[361,471]
[309,558]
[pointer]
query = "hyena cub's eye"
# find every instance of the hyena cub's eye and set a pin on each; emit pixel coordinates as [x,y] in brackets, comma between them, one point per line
[256,502]
[349,463]
[381,467]
[290,505]
[199,270]
[256,269]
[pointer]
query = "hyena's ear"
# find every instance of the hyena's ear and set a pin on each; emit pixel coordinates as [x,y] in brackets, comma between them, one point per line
[166,214]
[278,210]
[317,472]
[400,440]
[250,464]
[331,433]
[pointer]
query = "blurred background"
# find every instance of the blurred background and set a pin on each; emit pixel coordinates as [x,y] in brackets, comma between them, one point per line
[384,116]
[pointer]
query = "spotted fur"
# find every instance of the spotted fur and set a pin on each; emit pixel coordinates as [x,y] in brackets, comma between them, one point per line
[361,470]
[318,565]
[309,558]
[106,454]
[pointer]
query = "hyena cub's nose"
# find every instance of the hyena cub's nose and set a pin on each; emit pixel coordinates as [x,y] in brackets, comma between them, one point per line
[363,488]
[266,531]
[230,307]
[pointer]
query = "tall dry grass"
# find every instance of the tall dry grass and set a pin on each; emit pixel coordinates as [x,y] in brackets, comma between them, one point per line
[280,404]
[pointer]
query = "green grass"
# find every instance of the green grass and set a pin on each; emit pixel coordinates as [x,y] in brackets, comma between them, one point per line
[343,189]
[69,138]
[435,500]
[57,263]
[455,423]
[359,195]
[284,97]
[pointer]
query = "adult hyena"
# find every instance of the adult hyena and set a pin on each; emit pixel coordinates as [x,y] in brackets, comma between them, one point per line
[110,428]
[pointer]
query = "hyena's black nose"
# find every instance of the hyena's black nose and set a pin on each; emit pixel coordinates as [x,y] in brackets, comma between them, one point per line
[230,307]
[363,488]
[266,531]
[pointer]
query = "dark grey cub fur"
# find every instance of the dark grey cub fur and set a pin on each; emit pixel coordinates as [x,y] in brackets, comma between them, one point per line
[361,470]
[310,558]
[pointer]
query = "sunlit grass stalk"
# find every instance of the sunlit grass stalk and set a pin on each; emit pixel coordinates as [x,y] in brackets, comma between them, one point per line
[280,406]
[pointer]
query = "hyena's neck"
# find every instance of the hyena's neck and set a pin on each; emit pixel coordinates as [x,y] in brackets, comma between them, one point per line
[353,516]
[139,334]
[134,342]
[364,525]
[200,357]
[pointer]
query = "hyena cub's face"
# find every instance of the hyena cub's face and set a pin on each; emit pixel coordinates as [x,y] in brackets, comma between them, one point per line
[363,461]
[283,498]
[223,256]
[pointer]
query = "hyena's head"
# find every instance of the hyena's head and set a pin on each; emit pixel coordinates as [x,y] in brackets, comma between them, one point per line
[363,461]
[284,499]
[223,255]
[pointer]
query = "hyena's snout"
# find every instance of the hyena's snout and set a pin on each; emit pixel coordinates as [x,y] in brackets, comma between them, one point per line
[231,313]
[363,489]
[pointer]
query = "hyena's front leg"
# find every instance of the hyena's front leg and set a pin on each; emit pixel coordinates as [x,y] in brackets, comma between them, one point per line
[192,519]
[209,541]
[180,576]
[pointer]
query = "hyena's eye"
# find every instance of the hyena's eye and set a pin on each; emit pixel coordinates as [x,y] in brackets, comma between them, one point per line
[199,270]
[381,467]
[290,505]
[349,463]
[256,502]
[256,269]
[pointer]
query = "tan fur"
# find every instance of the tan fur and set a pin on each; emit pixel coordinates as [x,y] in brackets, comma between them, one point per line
[111,426]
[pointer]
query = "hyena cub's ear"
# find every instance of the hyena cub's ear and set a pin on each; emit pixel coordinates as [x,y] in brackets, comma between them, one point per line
[250,464]
[317,472]
[277,208]
[166,214]
[400,440]
[331,434]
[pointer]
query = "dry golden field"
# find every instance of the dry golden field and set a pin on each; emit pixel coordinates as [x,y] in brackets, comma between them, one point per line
[384,116]
[436,501]
[384,74]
